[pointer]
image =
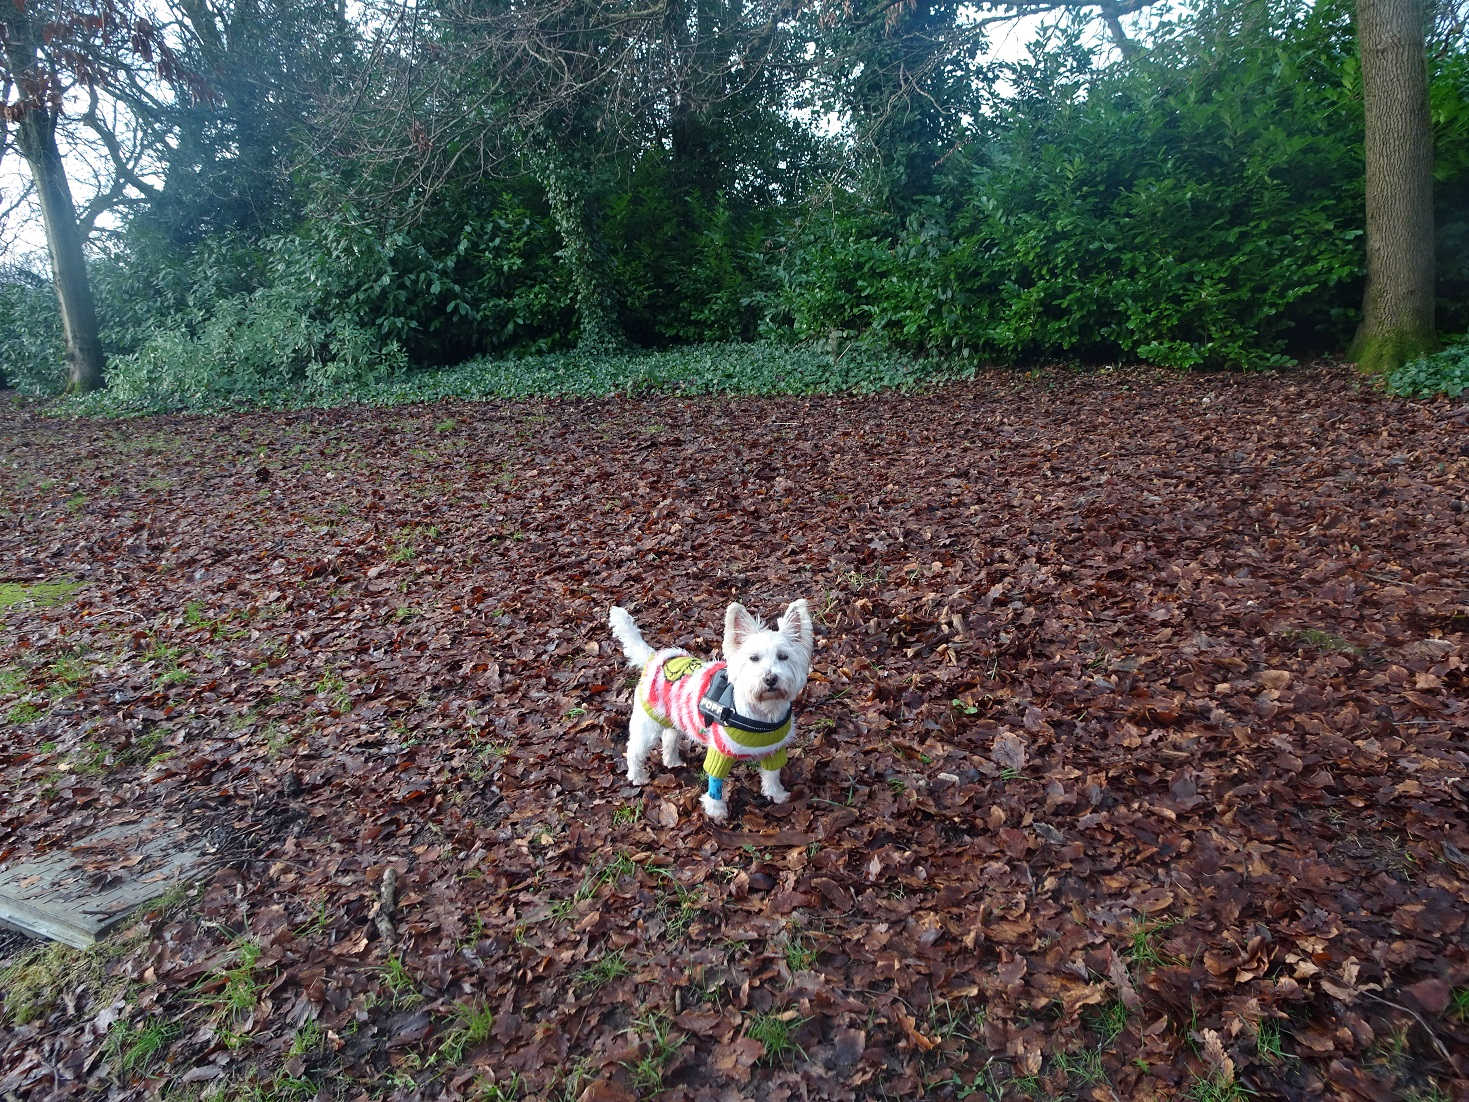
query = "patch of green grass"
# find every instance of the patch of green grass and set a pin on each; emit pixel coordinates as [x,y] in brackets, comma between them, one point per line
[399,982]
[39,977]
[91,759]
[1269,1042]
[1215,1089]
[280,1088]
[627,814]
[1326,641]
[332,688]
[798,954]
[307,1039]
[35,594]
[216,626]
[494,1090]
[677,905]
[166,657]
[777,1033]
[242,986]
[318,923]
[448,424]
[610,967]
[132,1049]
[661,1045]
[1458,1007]
[66,674]
[574,1080]
[1082,1068]
[948,1019]
[23,713]
[472,1023]
[234,992]
[1144,951]
[1109,1022]
[12,680]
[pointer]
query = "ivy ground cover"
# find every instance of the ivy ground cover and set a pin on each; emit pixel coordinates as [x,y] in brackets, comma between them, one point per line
[1133,764]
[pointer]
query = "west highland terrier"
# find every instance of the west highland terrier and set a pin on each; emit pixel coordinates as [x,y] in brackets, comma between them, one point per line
[739,709]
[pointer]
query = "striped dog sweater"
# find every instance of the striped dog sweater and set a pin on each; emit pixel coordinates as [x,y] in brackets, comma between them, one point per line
[672,684]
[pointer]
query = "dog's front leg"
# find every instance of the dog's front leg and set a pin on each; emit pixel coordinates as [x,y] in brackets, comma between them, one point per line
[771,787]
[713,800]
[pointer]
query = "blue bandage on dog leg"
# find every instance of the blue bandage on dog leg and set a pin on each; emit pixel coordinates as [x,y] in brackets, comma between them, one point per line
[716,788]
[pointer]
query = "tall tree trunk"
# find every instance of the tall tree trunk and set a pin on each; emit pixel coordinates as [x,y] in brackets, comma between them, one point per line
[36,137]
[1397,308]
[64,242]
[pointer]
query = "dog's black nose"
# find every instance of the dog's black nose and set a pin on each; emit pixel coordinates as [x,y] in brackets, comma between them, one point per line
[771,681]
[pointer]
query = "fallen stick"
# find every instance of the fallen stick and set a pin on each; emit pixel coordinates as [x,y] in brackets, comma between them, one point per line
[386,902]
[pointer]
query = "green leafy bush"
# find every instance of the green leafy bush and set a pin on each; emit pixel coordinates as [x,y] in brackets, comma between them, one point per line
[1199,207]
[178,371]
[31,351]
[481,275]
[1445,372]
[252,348]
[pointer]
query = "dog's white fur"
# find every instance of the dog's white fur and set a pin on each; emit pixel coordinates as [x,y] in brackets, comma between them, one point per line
[768,669]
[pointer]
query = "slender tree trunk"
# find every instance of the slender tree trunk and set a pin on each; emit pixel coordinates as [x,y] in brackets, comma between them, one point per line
[64,242]
[36,137]
[1397,308]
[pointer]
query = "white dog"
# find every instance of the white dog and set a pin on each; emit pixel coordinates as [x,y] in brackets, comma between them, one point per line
[740,709]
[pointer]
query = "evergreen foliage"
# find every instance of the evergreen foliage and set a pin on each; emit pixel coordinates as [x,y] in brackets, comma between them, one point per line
[1198,205]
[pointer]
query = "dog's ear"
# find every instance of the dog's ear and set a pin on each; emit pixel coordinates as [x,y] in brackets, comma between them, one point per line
[739,625]
[795,624]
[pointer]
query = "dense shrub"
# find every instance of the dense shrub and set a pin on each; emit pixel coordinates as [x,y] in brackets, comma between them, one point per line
[251,348]
[1445,372]
[1201,206]
[30,335]
[686,269]
[480,275]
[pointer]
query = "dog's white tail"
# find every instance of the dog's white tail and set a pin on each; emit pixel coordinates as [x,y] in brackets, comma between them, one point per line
[627,633]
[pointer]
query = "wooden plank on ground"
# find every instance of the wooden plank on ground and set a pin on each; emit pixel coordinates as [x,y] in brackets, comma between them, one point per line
[77,894]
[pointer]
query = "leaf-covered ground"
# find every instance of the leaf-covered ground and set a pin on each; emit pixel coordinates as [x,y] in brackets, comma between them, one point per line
[1132,766]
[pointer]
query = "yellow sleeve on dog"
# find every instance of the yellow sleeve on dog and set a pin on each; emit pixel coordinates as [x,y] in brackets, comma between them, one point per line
[718,765]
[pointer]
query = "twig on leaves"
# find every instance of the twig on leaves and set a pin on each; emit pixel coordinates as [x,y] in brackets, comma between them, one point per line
[386,902]
[1432,1036]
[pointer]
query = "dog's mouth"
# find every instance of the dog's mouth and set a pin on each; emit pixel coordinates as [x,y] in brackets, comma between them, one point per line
[771,694]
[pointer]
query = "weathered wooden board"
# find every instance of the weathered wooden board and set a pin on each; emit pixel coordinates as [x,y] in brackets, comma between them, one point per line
[77,894]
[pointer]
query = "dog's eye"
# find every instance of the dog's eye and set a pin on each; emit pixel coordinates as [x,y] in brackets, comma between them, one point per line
[754,658]
[781,656]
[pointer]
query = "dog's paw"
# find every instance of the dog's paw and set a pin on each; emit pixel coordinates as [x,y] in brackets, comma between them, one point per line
[673,760]
[638,777]
[771,787]
[717,810]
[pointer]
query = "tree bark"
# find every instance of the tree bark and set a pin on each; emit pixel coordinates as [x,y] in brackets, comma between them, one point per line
[1397,307]
[36,138]
[64,242]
